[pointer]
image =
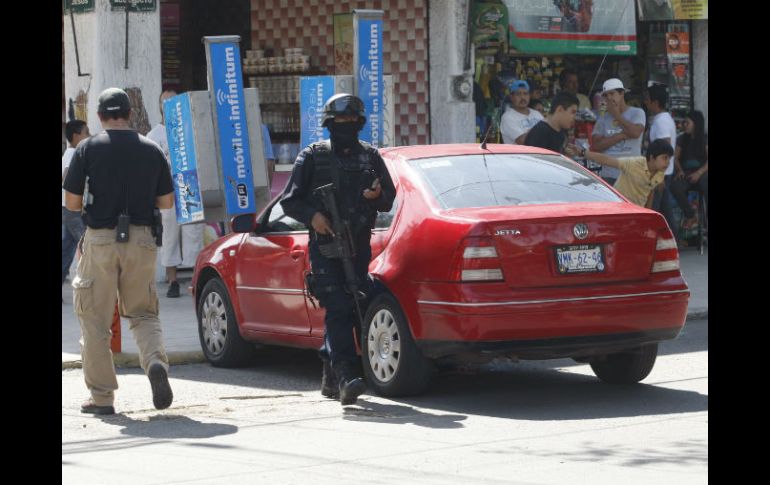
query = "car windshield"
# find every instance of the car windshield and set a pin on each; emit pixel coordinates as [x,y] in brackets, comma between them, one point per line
[509,179]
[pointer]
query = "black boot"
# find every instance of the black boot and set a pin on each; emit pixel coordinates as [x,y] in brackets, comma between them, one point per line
[329,386]
[350,386]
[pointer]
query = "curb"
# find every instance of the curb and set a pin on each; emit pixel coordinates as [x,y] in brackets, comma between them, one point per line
[698,315]
[129,361]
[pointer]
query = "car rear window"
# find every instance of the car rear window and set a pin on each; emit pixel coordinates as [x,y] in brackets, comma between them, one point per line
[509,179]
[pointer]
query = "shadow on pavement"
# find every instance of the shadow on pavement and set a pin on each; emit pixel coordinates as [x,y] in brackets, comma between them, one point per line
[168,426]
[539,393]
[529,390]
[374,412]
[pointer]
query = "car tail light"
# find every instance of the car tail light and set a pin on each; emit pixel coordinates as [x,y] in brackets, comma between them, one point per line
[666,253]
[476,259]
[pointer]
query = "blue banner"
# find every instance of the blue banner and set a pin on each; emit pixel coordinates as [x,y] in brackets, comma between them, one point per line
[184,166]
[369,72]
[233,132]
[313,93]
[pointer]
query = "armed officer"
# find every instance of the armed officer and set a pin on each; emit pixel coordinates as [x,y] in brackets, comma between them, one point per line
[362,187]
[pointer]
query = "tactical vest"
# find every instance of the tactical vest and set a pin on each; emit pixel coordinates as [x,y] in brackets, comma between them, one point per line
[356,173]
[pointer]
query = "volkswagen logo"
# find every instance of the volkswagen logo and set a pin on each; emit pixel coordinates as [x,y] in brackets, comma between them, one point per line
[580,231]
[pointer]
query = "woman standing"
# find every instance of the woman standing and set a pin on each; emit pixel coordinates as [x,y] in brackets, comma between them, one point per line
[692,165]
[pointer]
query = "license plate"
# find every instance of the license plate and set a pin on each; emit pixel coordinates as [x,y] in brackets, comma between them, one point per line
[584,258]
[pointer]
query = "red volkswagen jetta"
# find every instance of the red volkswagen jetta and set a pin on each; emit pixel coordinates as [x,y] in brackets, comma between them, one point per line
[504,251]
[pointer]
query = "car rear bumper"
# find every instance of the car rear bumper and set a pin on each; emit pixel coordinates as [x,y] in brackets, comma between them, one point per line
[545,316]
[553,348]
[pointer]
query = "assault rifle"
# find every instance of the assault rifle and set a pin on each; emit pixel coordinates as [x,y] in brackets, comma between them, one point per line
[342,246]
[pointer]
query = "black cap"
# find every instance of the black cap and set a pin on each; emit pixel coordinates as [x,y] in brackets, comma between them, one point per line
[113,100]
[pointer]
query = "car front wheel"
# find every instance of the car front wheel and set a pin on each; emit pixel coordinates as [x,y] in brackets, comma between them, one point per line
[393,364]
[627,367]
[220,339]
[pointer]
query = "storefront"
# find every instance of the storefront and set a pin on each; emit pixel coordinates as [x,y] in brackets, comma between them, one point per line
[536,41]
[285,40]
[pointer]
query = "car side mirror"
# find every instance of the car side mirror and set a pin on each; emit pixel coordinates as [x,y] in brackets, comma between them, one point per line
[244,223]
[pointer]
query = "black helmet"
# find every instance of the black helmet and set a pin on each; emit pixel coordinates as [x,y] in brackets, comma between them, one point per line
[343,104]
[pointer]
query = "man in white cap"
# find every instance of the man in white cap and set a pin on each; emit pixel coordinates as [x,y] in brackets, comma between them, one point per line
[619,132]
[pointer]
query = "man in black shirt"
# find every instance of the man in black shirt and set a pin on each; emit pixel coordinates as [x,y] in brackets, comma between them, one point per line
[127,176]
[551,133]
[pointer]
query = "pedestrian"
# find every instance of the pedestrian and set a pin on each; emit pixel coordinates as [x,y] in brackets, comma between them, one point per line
[638,175]
[552,132]
[662,127]
[569,82]
[537,105]
[72,228]
[618,133]
[364,187]
[519,118]
[181,244]
[267,151]
[692,165]
[127,177]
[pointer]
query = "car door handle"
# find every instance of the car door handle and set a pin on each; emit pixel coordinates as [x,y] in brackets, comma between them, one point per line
[296,254]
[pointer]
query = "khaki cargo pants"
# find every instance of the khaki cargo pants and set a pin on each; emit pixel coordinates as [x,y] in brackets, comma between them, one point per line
[108,270]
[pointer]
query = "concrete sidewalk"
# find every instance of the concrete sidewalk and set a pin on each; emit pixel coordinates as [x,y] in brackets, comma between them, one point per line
[180,333]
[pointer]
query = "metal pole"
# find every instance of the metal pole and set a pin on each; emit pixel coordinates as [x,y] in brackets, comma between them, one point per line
[75,38]
[126,56]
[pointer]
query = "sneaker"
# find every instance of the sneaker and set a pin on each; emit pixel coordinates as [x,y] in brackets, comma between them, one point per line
[161,390]
[173,290]
[90,408]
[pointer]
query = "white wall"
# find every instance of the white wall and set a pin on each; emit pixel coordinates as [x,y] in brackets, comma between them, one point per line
[701,67]
[101,37]
[452,120]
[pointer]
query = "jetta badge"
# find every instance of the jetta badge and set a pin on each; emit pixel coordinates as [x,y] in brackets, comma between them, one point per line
[580,231]
[507,232]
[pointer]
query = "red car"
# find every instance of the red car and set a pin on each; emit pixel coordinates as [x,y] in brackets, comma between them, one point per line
[504,251]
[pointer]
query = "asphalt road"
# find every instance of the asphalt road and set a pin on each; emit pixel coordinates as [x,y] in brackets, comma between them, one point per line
[544,422]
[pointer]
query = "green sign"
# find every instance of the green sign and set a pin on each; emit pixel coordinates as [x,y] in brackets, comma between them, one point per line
[135,5]
[572,26]
[78,6]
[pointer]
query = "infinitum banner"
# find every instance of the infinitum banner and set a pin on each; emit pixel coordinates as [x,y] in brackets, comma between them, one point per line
[183,159]
[226,87]
[314,91]
[572,26]
[368,71]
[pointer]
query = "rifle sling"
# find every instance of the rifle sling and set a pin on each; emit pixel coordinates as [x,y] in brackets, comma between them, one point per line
[335,169]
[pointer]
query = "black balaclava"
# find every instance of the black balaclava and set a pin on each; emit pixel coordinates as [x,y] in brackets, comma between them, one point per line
[344,135]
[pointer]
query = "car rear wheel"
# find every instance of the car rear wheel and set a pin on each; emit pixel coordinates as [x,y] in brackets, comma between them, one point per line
[220,339]
[627,367]
[393,364]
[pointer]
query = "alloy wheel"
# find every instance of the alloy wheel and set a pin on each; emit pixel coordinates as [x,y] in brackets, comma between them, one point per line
[214,323]
[384,346]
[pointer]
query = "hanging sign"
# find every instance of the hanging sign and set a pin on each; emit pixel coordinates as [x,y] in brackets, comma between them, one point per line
[134,5]
[78,6]
[572,26]
[657,10]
